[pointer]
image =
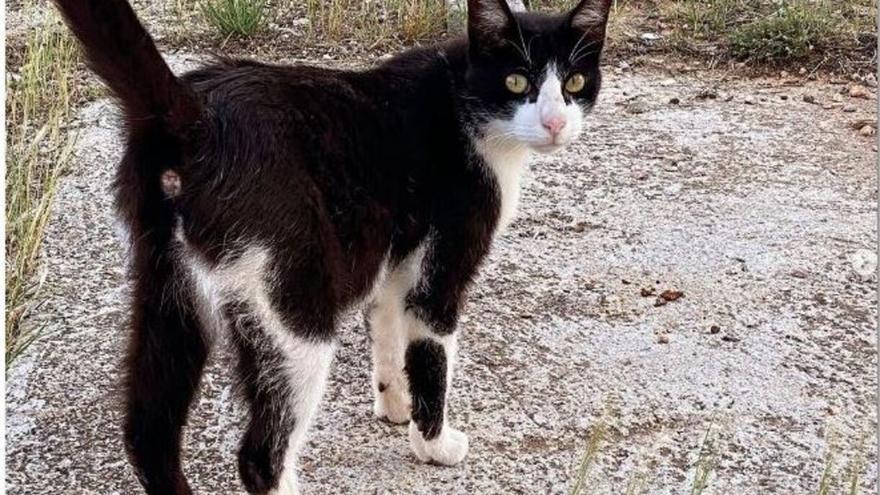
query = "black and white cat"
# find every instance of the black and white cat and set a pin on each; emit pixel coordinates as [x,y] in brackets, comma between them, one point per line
[265,200]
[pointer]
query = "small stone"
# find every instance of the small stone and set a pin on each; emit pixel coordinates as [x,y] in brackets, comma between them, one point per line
[637,107]
[302,22]
[640,174]
[859,91]
[828,106]
[714,329]
[649,37]
[837,97]
[671,295]
[864,263]
[849,108]
[674,101]
[730,338]
[663,339]
[659,302]
[749,100]
[707,94]
[802,71]
[783,97]
[647,291]
[810,99]
[867,131]
[798,273]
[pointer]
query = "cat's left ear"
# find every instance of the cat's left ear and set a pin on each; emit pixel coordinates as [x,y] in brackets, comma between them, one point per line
[591,16]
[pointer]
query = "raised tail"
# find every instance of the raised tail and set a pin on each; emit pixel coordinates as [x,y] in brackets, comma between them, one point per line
[123,54]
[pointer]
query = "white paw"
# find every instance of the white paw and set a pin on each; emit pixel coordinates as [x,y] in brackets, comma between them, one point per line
[287,485]
[447,448]
[394,403]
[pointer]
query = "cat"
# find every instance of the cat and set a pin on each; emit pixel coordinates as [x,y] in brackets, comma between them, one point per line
[264,200]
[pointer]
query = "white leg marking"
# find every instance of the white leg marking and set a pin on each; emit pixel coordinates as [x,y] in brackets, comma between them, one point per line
[390,386]
[306,362]
[449,447]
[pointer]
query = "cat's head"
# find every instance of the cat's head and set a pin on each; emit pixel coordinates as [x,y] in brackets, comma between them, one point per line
[532,77]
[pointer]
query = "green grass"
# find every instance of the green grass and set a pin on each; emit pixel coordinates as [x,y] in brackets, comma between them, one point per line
[707,461]
[844,481]
[235,17]
[39,148]
[704,467]
[774,32]
[594,445]
[794,31]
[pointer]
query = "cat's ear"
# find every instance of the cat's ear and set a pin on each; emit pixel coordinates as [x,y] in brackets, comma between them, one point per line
[591,16]
[487,21]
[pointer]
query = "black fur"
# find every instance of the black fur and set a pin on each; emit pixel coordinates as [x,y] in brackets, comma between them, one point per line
[425,361]
[332,171]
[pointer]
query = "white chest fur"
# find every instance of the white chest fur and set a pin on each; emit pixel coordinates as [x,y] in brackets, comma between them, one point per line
[506,163]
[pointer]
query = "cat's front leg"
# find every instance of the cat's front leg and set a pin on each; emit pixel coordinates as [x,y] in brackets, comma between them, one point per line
[429,364]
[431,319]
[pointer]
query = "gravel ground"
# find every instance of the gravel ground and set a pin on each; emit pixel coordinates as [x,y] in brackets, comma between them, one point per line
[758,206]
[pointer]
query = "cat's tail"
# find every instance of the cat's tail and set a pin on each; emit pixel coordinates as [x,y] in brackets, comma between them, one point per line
[122,53]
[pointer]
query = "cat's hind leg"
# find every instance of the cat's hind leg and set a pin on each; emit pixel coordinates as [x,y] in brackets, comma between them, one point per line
[284,357]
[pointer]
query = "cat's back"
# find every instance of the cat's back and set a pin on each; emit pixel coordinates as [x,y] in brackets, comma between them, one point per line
[263,90]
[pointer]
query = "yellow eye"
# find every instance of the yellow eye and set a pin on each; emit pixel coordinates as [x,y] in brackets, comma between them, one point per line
[517,83]
[575,82]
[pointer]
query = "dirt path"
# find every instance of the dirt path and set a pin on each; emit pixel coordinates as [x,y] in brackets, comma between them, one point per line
[762,212]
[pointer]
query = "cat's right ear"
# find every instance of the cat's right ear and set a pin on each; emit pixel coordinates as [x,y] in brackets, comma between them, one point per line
[487,22]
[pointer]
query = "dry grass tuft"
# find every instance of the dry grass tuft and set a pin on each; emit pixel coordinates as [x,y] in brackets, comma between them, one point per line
[40,92]
[379,23]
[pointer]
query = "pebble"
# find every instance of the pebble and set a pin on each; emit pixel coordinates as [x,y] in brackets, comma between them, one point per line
[650,37]
[864,263]
[867,131]
[302,22]
[663,339]
[637,107]
[810,99]
[714,329]
[674,101]
[859,91]
[849,108]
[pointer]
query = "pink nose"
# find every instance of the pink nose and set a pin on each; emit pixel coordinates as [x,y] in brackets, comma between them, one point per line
[553,124]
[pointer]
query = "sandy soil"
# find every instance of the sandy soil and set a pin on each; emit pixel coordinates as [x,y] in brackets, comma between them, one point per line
[758,206]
